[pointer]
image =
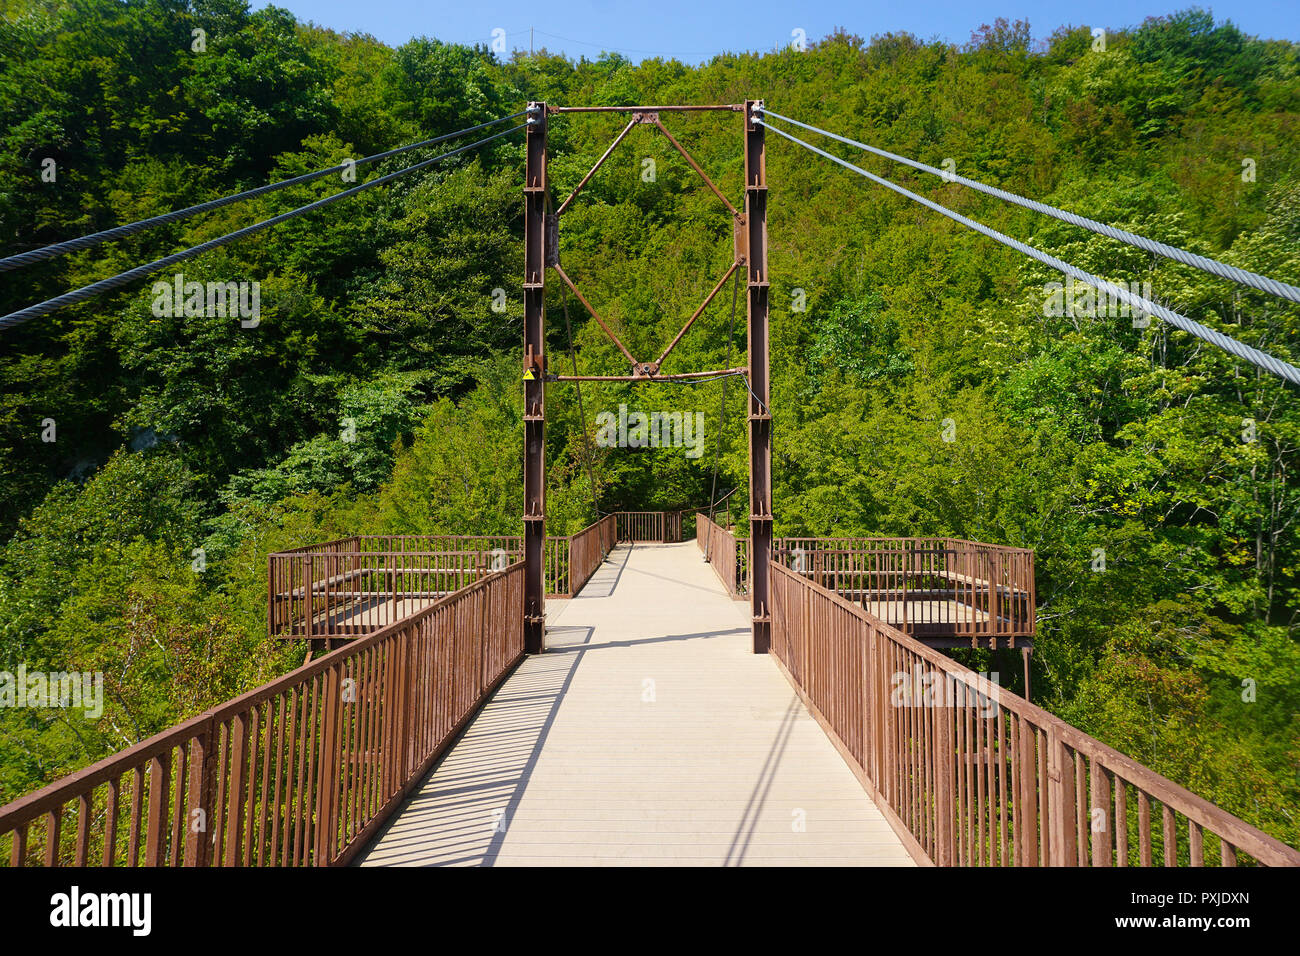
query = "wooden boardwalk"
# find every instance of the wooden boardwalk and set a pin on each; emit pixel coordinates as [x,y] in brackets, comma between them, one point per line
[647,734]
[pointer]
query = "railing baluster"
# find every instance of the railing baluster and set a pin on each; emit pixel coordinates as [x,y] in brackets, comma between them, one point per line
[133,842]
[1100,820]
[1121,821]
[53,833]
[110,822]
[18,846]
[1144,828]
[83,827]
[1170,833]
[156,838]
[180,778]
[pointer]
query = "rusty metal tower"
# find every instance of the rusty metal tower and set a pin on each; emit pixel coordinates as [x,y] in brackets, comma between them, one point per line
[541,251]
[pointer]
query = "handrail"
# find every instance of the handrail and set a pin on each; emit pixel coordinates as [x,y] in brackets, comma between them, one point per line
[587,549]
[339,544]
[301,771]
[970,774]
[936,586]
[356,585]
[659,526]
[728,554]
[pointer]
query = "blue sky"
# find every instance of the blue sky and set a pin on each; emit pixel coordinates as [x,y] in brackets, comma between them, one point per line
[692,31]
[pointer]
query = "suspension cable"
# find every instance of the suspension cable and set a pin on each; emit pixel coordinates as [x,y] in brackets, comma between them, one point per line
[1275,287]
[117,232]
[1260,359]
[123,278]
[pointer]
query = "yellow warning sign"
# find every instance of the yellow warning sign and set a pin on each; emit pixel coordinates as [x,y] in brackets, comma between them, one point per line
[529,376]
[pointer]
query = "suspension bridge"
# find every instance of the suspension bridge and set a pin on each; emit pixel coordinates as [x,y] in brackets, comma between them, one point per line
[656,689]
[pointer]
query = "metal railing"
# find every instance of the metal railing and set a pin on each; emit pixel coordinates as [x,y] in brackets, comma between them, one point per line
[657,526]
[970,774]
[728,554]
[300,772]
[587,549]
[926,587]
[354,586]
[347,593]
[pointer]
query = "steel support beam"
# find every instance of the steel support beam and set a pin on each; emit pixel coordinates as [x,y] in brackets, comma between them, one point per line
[534,376]
[754,230]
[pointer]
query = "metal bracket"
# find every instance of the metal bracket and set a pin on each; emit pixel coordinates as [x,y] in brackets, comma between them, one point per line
[741,238]
[645,117]
[533,365]
[552,244]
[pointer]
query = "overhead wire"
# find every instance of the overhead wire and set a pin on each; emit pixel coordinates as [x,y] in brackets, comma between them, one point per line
[130,275]
[1260,359]
[1212,266]
[117,232]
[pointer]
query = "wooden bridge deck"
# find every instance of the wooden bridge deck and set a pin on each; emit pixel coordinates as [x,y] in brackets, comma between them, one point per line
[647,734]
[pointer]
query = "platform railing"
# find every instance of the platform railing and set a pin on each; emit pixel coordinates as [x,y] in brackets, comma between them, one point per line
[345,593]
[300,772]
[970,774]
[352,586]
[649,526]
[926,587]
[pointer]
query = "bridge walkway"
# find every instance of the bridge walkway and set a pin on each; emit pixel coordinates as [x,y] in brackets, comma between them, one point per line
[648,733]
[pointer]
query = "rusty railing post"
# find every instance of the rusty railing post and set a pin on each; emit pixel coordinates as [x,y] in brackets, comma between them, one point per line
[198,811]
[945,830]
[752,235]
[534,377]
[328,781]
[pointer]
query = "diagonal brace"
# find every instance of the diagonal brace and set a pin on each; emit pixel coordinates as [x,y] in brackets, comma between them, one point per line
[696,166]
[698,312]
[612,146]
[594,314]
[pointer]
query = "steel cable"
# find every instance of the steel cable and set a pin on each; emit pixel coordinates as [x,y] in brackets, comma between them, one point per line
[117,232]
[1253,355]
[123,278]
[1275,287]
